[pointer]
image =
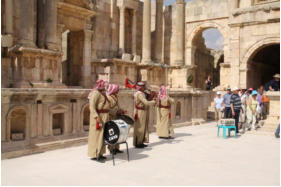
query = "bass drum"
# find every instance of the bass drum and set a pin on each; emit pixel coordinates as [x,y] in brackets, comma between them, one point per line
[126,118]
[116,131]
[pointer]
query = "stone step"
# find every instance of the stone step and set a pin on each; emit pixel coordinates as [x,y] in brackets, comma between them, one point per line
[47,146]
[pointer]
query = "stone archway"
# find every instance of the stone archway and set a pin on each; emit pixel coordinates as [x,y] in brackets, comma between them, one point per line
[254,70]
[195,48]
[85,118]
[17,124]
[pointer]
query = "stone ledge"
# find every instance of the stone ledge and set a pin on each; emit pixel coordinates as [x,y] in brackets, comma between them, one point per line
[262,7]
[35,51]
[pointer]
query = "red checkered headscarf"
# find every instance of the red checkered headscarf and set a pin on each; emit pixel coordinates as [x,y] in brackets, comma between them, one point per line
[100,85]
[112,89]
[162,92]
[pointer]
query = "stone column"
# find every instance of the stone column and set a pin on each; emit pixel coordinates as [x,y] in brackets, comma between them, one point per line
[122,30]
[40,23]
[114,27]
[8,17]
[86,68]
[51,24]
[134,33]
[234,4]
[159,31]
[146,33]
[180,5]
[27,21]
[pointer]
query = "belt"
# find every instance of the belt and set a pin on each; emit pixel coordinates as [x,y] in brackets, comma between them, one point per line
[103,111]
[167,107]
[140,108]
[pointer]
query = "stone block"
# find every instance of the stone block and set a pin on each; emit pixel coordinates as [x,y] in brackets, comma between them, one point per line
[17,136]
[137,58]
[7,40]
[126,56]
[57,131]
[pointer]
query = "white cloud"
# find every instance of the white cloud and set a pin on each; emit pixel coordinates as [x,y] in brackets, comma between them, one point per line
[213,39]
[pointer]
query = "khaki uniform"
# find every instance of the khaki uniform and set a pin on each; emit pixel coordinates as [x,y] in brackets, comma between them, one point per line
[95,140]
[141,133]
[114,107]
[164,125]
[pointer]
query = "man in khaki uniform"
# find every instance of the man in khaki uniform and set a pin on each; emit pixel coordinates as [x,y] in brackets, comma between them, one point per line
[99,114]
[141,126]
[164,125]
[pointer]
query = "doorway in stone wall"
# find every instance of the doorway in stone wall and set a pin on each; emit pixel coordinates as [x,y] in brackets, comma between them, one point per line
[58,124]
[72,59]
[262,65]
[208,53]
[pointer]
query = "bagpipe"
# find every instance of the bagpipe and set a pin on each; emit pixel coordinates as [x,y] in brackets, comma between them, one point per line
[149,94]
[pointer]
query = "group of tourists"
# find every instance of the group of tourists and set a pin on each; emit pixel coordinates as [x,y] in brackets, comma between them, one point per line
[246,106]
[104,106]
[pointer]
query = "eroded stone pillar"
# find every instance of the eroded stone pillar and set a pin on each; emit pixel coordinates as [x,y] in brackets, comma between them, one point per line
[159,32]
[86,68]
[180,32]
[146,38]
[114,26]
[134,33]
[27,21]
[8,17]
[51,24]
[122,30]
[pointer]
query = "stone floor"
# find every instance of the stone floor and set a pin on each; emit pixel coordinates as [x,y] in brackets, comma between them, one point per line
[195,157]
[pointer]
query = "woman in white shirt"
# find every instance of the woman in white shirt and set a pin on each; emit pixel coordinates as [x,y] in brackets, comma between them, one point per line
[218,106]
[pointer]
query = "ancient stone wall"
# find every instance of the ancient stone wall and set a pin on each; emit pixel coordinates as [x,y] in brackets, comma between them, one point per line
[56,114]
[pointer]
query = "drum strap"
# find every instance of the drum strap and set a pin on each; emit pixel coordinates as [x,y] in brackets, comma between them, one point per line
[115,99]
[102,110]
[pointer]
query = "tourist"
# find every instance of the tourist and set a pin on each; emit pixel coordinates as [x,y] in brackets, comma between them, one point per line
[99,108]
[218,107]
[141,127]
[242,115]
[164,125]
[112,93]
[260,101]
[252,110]
[274,84]
[208,83]
[277,132]
[235,103]
[226,104]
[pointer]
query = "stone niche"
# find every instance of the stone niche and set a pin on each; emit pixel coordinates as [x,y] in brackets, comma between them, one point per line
[86,117]
[17,124]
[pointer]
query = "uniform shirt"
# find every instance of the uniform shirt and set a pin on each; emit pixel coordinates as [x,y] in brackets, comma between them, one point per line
[236,101]
[218,102]
[226,99]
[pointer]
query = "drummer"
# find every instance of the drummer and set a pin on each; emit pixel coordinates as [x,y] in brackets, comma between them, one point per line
[112,92]
[141,134]
[164,126]
[99,114]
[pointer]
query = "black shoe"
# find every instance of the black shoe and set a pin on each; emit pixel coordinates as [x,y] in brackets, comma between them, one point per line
[118,151]
[93,158]
[164,137]
[277,135]
[140,146]
[102,158]
[144,145]
[170,137]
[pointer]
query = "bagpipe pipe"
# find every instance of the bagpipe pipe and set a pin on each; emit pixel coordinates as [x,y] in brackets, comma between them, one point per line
[149,94]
